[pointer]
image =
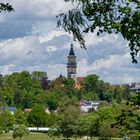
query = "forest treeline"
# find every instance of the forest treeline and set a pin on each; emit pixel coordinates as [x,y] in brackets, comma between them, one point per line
[25,90]
[117,115]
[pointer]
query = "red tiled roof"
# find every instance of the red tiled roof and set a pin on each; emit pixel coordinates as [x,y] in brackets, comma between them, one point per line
[78,82]
[28,110]
[80,79]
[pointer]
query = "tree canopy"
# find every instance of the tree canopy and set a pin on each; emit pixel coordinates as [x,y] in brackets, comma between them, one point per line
[20,131]
[6,7]
[104,16]
[37,117]
[117,113]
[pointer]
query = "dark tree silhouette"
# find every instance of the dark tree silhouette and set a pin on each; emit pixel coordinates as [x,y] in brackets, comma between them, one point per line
[105,16]
[6,7]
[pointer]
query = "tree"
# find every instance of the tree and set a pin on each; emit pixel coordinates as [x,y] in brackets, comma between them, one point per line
[6,7]
[89,125]
[90,96]
[45,83]
[126,92]
[7,120]
[94,88]
[106,113]
[127,121]
[106,131]
[38,75]
[20,131]
[106,119]
[90,83]
[19,97]
[20,117]
[69,89]
[136,98]
[52,100]
[58,83]
[1,80]
[68,124]
[37,117]
[105,16]
[23,90]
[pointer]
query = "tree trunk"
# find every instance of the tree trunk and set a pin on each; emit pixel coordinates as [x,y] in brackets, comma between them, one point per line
[91,137]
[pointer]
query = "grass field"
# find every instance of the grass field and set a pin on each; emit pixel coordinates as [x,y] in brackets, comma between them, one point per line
[37,136]
[31,136]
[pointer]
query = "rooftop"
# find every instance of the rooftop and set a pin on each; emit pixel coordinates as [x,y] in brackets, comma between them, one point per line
[71,50]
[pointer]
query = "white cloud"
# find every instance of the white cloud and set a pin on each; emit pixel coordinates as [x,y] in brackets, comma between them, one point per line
[51,35]
[6,69]
[32,42]
[35,53]
[32,17]
[114,69]
[51,48]
[35,9]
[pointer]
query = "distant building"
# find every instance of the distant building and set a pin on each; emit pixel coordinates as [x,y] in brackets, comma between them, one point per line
[136,88]
[11,109]
[78,82]
[47,111]
[45,83]
[71,65]
[27,110]
[86,106]
[80,79]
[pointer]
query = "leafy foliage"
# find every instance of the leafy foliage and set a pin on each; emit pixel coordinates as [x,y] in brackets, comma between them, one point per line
[37,117]
[112,119]
[136,99]
[7,120]
[20,118]
[67,125]
[20,131]
[104,16]
[127,121]
[6,7]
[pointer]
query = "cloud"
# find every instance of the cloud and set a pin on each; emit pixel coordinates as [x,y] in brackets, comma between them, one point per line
[34,16]
[48,52]
[36,52]
[30,41]
[115,69]
[37,9]
[51,35]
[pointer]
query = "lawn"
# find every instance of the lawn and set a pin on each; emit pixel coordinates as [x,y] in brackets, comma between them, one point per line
[37,136]
[31,136]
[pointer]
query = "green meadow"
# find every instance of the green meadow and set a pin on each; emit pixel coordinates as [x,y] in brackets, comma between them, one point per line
[41,136]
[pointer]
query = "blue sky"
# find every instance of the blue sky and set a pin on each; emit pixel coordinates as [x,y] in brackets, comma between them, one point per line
[29,40]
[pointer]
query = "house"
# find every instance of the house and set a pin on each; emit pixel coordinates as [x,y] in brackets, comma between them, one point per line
[136,88]
[11,109]
[86,106]
[94,105]
[27,110]
[78,82]
[47,111]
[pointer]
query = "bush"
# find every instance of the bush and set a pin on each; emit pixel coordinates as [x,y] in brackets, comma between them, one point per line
[20,131]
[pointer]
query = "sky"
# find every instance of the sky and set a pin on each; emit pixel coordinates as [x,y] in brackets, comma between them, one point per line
[30,41]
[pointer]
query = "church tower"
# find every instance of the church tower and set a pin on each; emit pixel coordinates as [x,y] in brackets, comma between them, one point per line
[71,65]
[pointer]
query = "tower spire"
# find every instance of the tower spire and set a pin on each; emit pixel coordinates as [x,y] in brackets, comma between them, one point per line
[71,65]
[71,50]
